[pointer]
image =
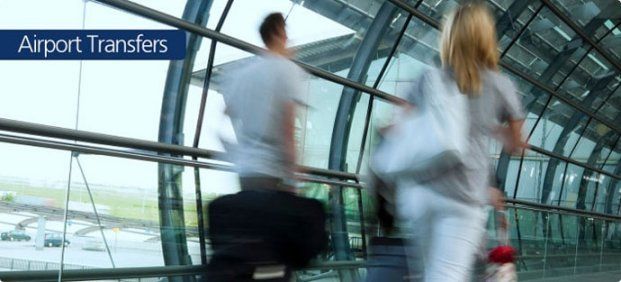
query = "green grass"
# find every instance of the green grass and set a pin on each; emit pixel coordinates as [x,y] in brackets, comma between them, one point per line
[125,205]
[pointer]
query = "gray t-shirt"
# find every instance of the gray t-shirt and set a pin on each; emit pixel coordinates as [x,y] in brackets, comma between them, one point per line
[497,103]
[255,97]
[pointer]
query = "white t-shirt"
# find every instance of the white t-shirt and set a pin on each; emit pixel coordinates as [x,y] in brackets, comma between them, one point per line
[255,97]
[497,103]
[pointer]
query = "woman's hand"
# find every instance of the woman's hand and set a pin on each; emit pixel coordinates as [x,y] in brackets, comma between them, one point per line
[497,200]
[512,139]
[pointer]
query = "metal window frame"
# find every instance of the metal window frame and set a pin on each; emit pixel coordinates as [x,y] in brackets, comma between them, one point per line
[557,12]
[432,22]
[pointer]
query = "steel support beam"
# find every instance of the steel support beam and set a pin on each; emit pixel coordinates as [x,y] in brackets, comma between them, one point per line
[506,22]
[343,121]
[170,189]
[197,134]
[586,177]
[597,89]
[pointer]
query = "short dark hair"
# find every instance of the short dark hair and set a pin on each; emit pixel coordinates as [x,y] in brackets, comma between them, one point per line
[272,25]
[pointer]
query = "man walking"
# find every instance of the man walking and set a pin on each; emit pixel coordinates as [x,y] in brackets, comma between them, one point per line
[265,230]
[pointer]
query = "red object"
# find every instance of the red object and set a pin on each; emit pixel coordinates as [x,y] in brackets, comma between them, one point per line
[501,255]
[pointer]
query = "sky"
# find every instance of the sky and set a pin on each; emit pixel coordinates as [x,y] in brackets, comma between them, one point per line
[121,98]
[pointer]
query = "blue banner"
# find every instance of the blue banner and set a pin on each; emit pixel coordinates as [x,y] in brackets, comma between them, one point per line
[92,44]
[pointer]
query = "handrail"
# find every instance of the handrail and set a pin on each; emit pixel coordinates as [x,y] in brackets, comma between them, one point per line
[104,139]
[307,174]
[140,272]
[165,271]
[172,149]
[566,210]
[101,273]
[210,165]
[168,271]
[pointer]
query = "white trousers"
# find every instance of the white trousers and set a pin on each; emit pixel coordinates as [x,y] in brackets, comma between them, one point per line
[446,234]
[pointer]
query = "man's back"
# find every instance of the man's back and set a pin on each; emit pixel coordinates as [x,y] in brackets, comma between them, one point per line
[256,98]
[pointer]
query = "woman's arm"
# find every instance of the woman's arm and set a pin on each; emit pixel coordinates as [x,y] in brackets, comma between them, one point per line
[515,142]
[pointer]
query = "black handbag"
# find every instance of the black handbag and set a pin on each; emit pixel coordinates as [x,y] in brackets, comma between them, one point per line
[262,227]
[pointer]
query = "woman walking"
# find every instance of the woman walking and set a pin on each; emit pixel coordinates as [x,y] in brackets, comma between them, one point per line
[446,213]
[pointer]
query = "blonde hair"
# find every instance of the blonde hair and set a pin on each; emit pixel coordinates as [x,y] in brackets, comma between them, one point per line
[468,45]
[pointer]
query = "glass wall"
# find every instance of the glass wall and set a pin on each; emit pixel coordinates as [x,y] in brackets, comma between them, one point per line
[131,197]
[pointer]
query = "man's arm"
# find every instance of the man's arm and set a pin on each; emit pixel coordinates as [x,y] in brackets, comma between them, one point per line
[289,134]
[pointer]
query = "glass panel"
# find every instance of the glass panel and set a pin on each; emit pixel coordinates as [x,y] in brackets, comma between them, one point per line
[611,109]
[317,122]
[416,51]
[381,116]
[438,8]
[527,234]
[173,8]
[601,191]
[355,136]
[610,90]
[52,99]
[115,97]
[136,99]
[555,118]
[338,29]
[592,16]
[615,187]
[511,178]
[572,138]
[132,222]
[155,279]
[595,133]
[354,228]
[556,170]
[613,160]
[589,245]
[570,178]
[561,244]
[511,21]
[215,123]
[350,196]
[532,175]
[546,50]
[533,100]
[611,254]
[612,43]
[385,45]
[31,190]
[592,81]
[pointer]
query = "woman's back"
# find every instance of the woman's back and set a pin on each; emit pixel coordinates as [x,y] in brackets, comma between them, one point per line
[446,213]
[496,103]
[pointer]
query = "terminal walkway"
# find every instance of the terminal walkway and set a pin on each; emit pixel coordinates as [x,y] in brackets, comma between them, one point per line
[613,276]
